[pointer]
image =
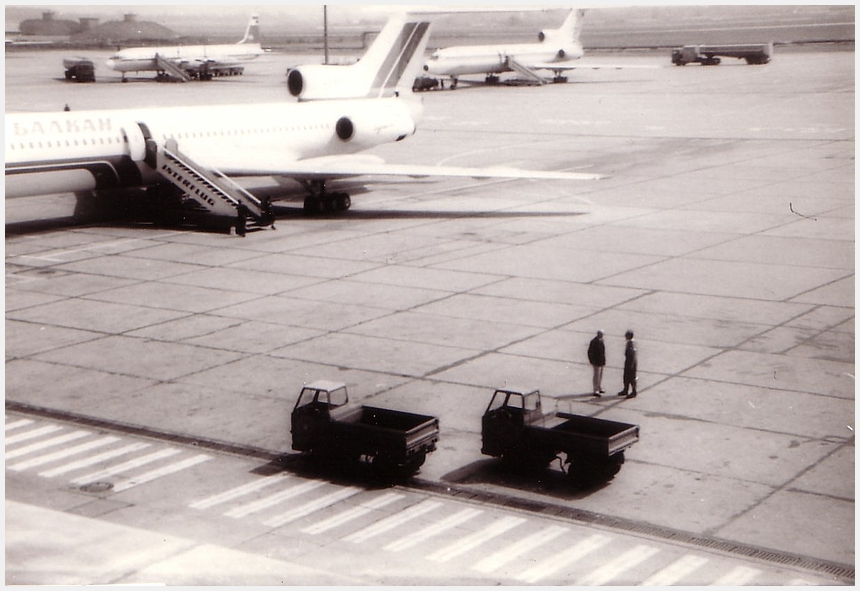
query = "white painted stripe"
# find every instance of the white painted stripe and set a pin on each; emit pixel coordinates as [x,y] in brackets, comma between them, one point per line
[618,565]
[63,453]
[17,424]
[129,465]
[274,499]
[159,472]
[675,571]
[93,459]
[517,549]
[315,505]
[393,521]
[59,440]
[239,491]
[740,575]
[352,514]
[563,559]
[26,436]
[477,538]
[434,529]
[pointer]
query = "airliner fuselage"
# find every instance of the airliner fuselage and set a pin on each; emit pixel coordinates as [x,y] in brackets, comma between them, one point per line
[86,150]
[143,58]
[455,61]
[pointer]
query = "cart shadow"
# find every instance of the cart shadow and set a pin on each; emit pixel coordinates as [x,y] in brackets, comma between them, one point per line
[342,473]
[548,481]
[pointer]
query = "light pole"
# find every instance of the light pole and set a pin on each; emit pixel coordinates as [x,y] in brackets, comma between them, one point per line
[325,32]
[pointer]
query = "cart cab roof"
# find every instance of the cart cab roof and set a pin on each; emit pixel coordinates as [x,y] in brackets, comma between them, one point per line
[520,391]
[327,385]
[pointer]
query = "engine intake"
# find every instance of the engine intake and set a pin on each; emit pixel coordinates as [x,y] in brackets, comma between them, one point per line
[344,128]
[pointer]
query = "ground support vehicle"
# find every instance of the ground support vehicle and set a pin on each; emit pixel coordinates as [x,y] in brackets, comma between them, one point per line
[589,449]
[79,69]
[328,428]
[709,55]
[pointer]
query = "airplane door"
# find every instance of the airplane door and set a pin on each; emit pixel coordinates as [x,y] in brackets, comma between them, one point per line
[135,142]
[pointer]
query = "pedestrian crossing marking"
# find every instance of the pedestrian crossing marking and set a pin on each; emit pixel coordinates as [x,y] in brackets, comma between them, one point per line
[26,436]
[393,521]
[63,453]
[553,564]
[17,424]
[85,462]
[40,445]
[129,465]
[315,505]
[618,565]
[675,571]
[354,513]
[274,499]
[434,529]
[517,549]
[159,472]
[477,538]
[239,491]
[740,575]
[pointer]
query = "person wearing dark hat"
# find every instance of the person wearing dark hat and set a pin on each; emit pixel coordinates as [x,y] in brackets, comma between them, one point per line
[630,362]
[597,359]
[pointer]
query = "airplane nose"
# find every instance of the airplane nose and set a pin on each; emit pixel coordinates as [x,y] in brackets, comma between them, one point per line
[111,63]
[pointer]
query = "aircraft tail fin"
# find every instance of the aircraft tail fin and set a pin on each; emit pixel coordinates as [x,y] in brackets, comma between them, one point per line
[252,32]
[572,25]
[388,67]
[394,59]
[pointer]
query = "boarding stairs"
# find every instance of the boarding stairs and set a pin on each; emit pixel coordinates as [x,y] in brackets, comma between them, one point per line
[168,67]
[529,74]
[213,190]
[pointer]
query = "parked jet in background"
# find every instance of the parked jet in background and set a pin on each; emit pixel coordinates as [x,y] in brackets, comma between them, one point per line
[191,61]
[187,153]
[554,48]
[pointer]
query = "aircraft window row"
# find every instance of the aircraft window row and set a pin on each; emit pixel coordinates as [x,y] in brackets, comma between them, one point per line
[65,143]
[194,134]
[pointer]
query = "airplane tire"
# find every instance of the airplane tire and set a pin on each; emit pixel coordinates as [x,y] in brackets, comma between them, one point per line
[343,202]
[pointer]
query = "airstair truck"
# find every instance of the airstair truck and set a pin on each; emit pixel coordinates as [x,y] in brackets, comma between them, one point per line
[515,429]
[326,426]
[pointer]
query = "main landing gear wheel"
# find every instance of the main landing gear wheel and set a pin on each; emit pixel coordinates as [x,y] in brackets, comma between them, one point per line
[327,203]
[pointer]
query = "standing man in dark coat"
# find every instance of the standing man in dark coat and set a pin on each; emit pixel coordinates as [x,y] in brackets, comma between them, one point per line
[630,362]
[597,359]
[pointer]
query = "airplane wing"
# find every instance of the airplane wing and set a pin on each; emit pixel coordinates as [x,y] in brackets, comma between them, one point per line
[339,167]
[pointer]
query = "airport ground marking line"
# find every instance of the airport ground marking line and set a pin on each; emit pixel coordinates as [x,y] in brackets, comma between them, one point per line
[239,491]
[741,575]
[424,534]
[129,465]
[159,472]
[393,521]
[32,434]
[675,571]
[45,443]
[85,462]
[555,563]
[353,513]
[477,538]
[63,453]
[618,565]
[274,499]
[314,506]
[18,423]
[518,548]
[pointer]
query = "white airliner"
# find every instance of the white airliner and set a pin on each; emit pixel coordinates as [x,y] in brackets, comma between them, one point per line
[192,151]
[199,61]
[554,50]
